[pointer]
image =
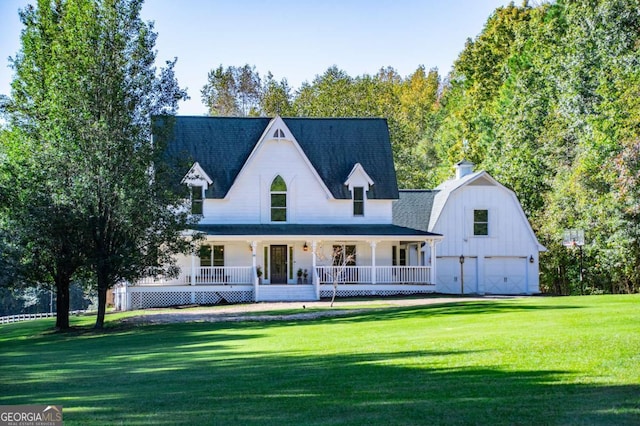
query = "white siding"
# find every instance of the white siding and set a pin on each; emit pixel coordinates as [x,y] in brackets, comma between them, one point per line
[450,275]
[509,238]
[248,200]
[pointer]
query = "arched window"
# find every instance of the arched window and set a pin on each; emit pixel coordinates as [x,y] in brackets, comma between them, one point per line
[278,200]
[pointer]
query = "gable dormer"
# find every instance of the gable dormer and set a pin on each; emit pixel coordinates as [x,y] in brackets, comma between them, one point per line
[196,176]
[358,183]
[358,177]
[198,182]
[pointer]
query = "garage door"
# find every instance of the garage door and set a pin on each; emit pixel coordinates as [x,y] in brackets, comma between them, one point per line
[448,275]
[505,275]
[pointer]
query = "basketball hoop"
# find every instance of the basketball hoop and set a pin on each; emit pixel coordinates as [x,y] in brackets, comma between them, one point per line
[573,237]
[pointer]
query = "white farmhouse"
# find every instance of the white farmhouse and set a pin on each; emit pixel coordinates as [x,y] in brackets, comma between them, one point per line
[276,199]
[488,246]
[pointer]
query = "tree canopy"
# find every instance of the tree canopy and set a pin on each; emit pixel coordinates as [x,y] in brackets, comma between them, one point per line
[546,98]
[87,189]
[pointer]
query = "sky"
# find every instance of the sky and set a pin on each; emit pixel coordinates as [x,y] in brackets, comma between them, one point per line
[293,39]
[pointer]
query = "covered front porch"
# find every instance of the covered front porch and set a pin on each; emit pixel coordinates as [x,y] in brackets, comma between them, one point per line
[243,263]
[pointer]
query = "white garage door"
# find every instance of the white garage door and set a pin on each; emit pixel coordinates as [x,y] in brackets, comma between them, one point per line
[448,275]
[505,275]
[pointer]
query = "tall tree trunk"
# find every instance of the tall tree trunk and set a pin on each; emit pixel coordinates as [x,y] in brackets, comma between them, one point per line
[102,278]
[102,305]
[62,303]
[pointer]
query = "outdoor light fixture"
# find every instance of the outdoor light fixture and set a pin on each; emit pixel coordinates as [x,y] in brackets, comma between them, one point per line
[305,247]
[531,260]
[461,259]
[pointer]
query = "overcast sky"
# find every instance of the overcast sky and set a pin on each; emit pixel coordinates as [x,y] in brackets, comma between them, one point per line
[294,39]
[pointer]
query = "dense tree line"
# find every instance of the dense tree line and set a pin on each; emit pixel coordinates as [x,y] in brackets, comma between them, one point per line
[555,116]
[546,98]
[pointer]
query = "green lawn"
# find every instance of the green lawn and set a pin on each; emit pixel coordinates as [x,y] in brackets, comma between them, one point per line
[572,360]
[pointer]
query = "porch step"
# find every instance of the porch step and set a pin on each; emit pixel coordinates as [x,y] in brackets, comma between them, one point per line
[286,293]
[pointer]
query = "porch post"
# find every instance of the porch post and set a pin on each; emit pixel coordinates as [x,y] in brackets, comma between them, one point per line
[373,261]
[254,246]
[193,269]
[314,281]
[432,244]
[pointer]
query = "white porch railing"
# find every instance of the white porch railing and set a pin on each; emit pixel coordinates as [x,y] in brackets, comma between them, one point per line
[205,275]
[182,279]
[383,274]
[234,275]
[403,275]
[225,275]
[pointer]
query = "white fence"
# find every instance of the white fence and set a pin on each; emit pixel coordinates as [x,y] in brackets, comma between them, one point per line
[25,317]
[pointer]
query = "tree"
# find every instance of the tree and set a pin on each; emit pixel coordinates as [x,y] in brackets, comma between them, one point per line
[276,98]
[341,257]
[234,91]
[82,101]
[545,97]
[39,209]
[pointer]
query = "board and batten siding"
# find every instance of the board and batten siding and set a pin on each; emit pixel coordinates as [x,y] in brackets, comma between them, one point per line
[510,242]
[248,200]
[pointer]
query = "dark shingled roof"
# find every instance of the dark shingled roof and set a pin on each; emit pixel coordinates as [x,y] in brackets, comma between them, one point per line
[413,208]
[222,145]
[312,229]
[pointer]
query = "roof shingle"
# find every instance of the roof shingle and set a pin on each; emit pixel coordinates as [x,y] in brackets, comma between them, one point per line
[222,145]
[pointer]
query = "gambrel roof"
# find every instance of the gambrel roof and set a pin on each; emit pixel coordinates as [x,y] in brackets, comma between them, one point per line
[421,209]
[333,146]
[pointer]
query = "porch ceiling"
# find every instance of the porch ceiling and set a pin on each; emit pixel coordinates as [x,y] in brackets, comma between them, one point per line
[385,231]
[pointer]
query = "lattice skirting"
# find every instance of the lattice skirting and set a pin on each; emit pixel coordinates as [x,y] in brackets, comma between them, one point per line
[216,297]
[369,292]
[160,299]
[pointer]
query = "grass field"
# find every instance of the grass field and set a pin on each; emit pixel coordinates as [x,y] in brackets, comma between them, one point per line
[573,360]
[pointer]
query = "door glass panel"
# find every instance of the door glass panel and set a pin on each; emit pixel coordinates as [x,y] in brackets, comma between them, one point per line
[278,264]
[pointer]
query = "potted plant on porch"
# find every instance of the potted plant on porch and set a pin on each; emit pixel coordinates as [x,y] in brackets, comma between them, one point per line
[259,274]
[305,274]
[299,276]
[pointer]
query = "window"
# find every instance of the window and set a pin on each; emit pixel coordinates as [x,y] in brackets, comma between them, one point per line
[339,255]
[358,201]
[196,200]
[481,222]
[211,256]
[205,255]
[218,255]
[278,134]
[278,200]
[402,261]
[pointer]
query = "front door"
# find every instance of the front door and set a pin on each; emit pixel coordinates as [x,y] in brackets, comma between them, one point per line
[278,264]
